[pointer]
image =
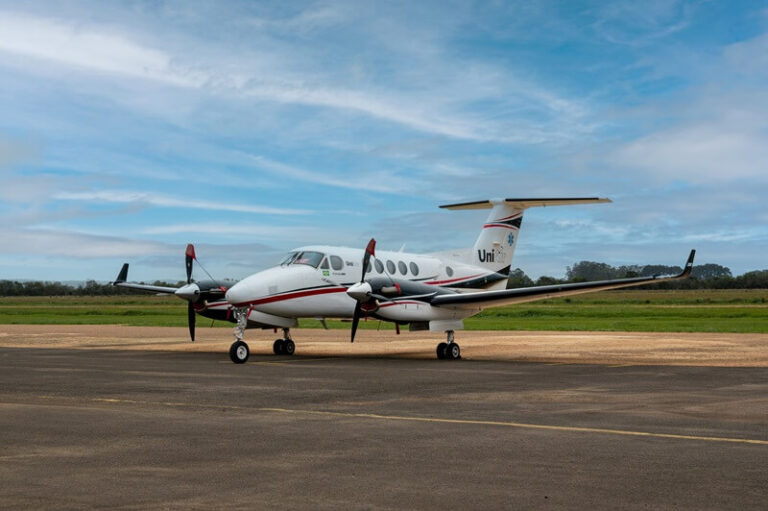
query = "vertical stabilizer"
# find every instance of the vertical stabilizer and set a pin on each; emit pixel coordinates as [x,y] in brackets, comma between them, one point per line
[496,243]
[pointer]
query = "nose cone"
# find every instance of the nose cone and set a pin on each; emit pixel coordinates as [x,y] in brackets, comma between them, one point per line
[360,292]
[190,292]
[237,294]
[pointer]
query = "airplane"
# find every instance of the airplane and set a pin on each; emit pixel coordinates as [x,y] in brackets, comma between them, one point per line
[434,292]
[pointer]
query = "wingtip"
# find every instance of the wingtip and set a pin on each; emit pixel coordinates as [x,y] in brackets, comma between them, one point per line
[689,264]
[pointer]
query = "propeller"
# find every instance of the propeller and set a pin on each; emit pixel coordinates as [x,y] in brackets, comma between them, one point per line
[191,319]
[197,292]
[190,256]
[361,291]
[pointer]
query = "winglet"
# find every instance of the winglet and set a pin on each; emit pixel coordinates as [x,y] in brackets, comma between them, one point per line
[122,276]
[688,265]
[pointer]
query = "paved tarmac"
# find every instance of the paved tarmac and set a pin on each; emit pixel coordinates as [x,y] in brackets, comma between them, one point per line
[184,430]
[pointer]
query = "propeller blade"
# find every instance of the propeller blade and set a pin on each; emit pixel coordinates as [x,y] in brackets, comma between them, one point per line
[191,320]
[356,319]
[370,250]
[190,256]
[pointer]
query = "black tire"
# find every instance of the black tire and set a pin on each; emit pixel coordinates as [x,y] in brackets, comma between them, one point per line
[239,352]
[441,350]
[453,351]
[277,346]
[288,347]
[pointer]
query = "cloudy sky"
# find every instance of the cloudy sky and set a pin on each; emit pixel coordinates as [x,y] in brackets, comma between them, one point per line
[128,129]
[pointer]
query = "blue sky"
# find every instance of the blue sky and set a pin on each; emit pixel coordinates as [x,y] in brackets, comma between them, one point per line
[128,129]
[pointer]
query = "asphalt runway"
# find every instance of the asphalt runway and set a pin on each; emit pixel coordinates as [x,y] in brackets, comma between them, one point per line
[180,430]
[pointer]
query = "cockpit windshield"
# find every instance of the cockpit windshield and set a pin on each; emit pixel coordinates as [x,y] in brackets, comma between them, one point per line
[307,257]
[289,258]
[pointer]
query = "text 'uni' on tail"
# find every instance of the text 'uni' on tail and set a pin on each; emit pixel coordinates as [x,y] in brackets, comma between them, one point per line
[495,245]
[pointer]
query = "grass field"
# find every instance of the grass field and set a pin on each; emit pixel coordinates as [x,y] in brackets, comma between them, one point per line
[743,311]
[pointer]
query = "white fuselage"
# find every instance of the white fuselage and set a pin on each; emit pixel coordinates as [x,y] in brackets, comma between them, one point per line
[315,286]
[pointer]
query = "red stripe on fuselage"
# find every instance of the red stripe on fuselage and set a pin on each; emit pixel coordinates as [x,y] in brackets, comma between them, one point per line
[438,282]
[291,296]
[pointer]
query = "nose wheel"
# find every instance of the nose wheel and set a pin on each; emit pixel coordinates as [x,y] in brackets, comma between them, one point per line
[449,350]
[239,352]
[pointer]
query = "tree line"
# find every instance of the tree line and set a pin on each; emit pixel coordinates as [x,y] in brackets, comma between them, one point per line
[88,288]
[704,276]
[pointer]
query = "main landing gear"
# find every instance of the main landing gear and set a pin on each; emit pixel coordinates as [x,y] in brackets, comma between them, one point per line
[284,346]
[449,350]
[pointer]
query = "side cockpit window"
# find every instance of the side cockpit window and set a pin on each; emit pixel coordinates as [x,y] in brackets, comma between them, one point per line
[337,263]
[289,258]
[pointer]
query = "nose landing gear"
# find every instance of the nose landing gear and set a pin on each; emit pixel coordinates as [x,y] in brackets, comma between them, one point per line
[239,351]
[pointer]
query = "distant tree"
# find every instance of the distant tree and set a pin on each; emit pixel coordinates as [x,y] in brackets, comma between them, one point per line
[518,278]
[650,270]
[590,270]
[544,280]
[710,271]
[629,271]
[752,280]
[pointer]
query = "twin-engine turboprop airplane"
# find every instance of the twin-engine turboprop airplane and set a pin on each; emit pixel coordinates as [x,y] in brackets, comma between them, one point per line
[427,292]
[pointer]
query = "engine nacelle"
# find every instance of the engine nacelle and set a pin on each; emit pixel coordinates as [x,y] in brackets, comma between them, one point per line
[406,311]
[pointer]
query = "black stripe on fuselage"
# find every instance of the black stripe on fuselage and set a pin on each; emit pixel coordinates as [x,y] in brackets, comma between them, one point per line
[482,282]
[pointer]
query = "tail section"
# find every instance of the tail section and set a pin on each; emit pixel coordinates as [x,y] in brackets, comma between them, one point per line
[495,246]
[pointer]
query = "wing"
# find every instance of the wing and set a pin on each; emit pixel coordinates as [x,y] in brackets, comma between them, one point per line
[485,299]
[123,276]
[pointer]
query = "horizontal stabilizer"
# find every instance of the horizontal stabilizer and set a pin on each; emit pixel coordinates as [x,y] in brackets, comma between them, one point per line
[521,204]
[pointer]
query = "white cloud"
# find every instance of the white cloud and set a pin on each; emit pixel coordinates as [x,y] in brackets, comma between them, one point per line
[717,151]
[362,181]
[434,100]
[246,230]
[124,197]
[77,244]
[85,47]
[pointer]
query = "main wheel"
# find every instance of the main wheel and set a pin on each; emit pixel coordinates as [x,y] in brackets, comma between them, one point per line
[288,347]
[238,352]
[278,346]
[453,352]
[441,350]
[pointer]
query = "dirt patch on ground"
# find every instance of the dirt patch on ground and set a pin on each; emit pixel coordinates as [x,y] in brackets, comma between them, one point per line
[610,348]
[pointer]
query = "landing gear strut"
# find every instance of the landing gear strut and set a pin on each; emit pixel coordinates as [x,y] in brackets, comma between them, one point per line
[284,346]
[449,350]
[239,351]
